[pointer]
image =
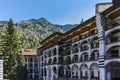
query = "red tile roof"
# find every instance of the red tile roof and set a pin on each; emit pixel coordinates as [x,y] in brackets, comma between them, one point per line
[29,53]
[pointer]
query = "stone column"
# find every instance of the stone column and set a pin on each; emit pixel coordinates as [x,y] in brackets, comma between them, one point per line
[57,72]
[57,51]
[78,74]
[101,37]
[39,67]
[89,75]
[89,50]
[33,68]
[78,47]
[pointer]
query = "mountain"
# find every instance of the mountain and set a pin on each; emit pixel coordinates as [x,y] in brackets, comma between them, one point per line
[66,27]
[32,31]
[3,22]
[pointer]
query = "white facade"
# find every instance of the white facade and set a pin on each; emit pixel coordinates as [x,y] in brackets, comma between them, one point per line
[1,69]
[95,57]
[32,67]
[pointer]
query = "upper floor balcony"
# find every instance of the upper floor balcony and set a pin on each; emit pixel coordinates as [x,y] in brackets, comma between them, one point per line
[113,37]
[113,52]
[64,51]
[84,46]
[94,43]
[112,24]
[75,48]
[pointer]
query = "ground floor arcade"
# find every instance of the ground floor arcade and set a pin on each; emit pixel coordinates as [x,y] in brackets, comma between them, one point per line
[83,71]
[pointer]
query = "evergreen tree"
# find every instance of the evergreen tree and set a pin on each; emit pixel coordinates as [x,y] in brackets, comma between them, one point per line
[10,49]
[21,71]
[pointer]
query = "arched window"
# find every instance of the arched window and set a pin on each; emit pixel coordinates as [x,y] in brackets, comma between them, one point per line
[113,70]
[113,37]
[61,71]
[68,60]
[84,46]
[75,71]
[94,69]
[54,51]
[75,58]
[50,61]
[113,52]
[84,71]
[49,53]
[95,43]
[54,60]
[84,57]
[94,55]
[75,48]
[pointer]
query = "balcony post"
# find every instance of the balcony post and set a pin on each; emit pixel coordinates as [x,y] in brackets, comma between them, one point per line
[57,53]
[89,50]
[79,47]
[89,75]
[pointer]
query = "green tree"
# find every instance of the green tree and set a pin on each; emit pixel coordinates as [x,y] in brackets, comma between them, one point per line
[10,49]
[21,71]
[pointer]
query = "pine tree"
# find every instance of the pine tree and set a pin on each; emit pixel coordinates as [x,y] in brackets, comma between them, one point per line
[10,49]
[21,70]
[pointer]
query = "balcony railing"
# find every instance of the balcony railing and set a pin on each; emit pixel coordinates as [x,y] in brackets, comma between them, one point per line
[75,50]
[54,52]
[75,61]
[112,56]
[93,58]
[93,32]
[113,24]
[84,48]
[113,39]
[96,45]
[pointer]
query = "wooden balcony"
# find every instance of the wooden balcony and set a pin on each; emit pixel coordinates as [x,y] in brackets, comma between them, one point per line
[113,39]
[75,50]
[112,56]
[84,48]
[113,24]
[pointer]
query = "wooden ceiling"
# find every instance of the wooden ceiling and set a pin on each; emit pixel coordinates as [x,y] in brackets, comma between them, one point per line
[115,14]
[80,31]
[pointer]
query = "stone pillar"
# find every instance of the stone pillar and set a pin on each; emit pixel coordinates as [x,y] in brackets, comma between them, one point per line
[71,72]
[108,75]
[89,50]
[38,68]
[57,51]
[33,68]
[57,72]
[47,73]
[89,75]
[1,69]
[101,37]
[78,74]
[79,47]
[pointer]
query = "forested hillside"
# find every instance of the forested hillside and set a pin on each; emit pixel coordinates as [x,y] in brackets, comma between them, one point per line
[32,31]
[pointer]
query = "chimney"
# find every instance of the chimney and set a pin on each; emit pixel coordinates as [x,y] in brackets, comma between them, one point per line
[102,6]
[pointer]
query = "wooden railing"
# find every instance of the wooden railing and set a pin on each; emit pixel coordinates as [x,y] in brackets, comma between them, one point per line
[112,24]
[113,39]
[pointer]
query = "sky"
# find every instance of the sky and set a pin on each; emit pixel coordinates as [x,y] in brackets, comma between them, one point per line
[55,11]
